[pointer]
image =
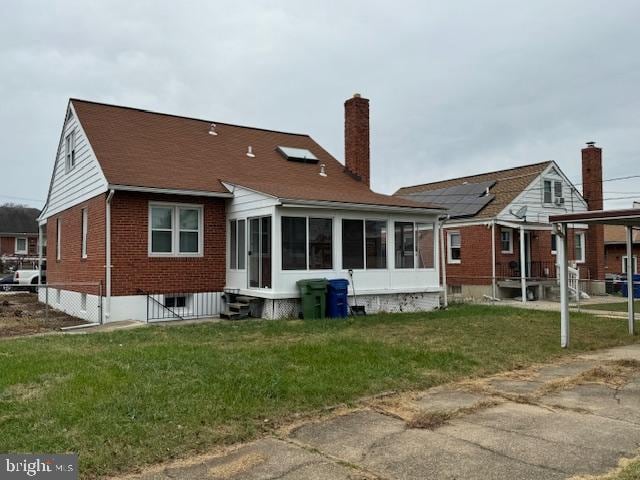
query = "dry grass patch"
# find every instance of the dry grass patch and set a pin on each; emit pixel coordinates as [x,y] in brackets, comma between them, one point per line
[429,420]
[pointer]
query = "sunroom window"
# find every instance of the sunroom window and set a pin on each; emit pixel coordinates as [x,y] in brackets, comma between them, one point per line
[405,246]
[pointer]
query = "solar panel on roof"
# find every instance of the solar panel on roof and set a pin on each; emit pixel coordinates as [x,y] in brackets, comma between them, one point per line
[463,200]
[297,154]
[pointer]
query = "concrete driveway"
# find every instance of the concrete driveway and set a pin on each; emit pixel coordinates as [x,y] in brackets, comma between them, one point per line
[579,417]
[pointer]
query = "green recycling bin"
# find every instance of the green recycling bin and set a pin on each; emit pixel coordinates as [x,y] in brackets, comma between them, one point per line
[313,297]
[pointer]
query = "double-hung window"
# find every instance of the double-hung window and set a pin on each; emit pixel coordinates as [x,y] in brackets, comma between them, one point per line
[307,243]
[454,247]
[70,150]
[237,239]
[624,265]
[22,246]
[551,191]
[506,240]
[579,247]
[175,230]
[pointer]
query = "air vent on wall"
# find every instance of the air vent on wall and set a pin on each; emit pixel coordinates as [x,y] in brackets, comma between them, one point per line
[297,154]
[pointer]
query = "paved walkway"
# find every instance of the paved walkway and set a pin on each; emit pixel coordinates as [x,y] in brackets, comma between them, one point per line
[579,417]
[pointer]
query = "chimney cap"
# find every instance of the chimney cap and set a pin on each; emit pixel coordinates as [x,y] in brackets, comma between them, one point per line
[357,95]
[591,144]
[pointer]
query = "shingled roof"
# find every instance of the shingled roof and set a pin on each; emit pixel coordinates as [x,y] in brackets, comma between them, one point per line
[147,149]
[16,219]
[508,185]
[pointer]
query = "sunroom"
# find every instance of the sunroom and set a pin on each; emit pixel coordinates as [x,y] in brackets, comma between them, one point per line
[389,254]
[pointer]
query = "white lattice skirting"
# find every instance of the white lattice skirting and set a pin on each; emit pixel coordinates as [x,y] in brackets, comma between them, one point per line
[391,303]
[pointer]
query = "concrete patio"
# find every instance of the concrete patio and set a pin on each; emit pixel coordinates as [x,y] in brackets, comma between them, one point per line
[574,418]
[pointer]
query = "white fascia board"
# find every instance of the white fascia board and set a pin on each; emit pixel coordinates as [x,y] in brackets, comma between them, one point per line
[169,191]
[357,206]
[232,186]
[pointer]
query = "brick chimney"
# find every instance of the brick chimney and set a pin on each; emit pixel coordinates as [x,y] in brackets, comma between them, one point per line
[356,137]
[592,193]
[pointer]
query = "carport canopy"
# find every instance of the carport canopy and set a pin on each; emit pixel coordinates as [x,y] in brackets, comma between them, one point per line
[629,218]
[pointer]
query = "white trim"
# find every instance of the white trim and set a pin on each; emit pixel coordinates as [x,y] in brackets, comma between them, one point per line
[170,191]
[510,232]
[25,251]
[84,226]
[175,229]
[264,293]
[58,239]
[356,206]
[583,246]
[624,265]
[449,256]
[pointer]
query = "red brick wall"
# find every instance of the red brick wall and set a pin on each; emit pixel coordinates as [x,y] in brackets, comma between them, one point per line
[613,257]
[133,269]
[475,267]
[72,268]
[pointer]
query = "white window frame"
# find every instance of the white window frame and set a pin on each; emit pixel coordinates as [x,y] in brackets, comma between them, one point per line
[238,253]
[583,246]
[70,151]
[510,232]
[553,182]
[85,231]
[624,265]
[307,218]
[449,256]
[58,239]
[26,246]
[364,221]
[175,229]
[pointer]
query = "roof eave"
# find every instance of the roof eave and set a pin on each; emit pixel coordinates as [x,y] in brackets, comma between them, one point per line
[169,191]
[292,202]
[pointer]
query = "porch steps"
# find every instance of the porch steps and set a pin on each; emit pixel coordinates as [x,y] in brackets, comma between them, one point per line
[236,310]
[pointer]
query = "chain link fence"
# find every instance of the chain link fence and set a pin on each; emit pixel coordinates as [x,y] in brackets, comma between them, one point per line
[80,300]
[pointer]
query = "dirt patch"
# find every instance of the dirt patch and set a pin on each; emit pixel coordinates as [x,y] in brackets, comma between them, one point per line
[429,420]
[23,314]
[23,392]
[614,374]
[236,466]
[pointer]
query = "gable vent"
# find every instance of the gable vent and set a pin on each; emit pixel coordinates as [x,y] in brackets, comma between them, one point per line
[297,154]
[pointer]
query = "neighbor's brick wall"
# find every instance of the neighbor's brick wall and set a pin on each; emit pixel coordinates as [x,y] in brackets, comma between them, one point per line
[613,257]
[8,245]
[475,267]
[72,268]
[133,269]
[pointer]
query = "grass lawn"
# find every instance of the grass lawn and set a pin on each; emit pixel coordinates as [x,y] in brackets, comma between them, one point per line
[612,307]
[129,398]
[630,472]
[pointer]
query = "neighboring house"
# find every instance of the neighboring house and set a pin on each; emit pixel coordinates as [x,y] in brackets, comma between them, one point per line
[615,250]
[18,233]
[151,203]
[498,238]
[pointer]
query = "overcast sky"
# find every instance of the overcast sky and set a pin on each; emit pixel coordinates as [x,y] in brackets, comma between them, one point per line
[456,88]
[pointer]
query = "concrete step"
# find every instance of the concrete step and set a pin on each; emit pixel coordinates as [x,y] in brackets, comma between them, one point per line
[231,315]
[238,307]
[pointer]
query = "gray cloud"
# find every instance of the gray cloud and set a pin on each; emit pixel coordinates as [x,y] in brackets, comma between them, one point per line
[455,88]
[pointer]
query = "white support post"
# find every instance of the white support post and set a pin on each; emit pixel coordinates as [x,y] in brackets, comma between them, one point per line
[523,276]
[630,285]
[564,285]
[443,264]
[494,289]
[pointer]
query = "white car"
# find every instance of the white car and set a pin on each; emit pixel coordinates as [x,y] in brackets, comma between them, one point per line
[22,278]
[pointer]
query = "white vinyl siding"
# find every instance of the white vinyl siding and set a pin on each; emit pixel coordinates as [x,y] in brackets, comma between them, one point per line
[84,181]
[175,230]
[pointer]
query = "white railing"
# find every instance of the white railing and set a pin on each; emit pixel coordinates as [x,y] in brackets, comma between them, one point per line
[574,281]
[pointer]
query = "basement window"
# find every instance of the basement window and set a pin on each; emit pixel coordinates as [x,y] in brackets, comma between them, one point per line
[297,154]
[177,301]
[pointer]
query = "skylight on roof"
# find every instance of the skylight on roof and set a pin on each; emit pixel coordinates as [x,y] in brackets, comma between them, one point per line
[297,154]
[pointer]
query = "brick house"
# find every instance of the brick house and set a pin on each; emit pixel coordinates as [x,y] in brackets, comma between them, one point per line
[180,210]
[18,234]
[615,250]
[498,241]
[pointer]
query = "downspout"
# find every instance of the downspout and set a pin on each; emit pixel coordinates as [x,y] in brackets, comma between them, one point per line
[523,275]
[493,260]
[108,255]
[445,299]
